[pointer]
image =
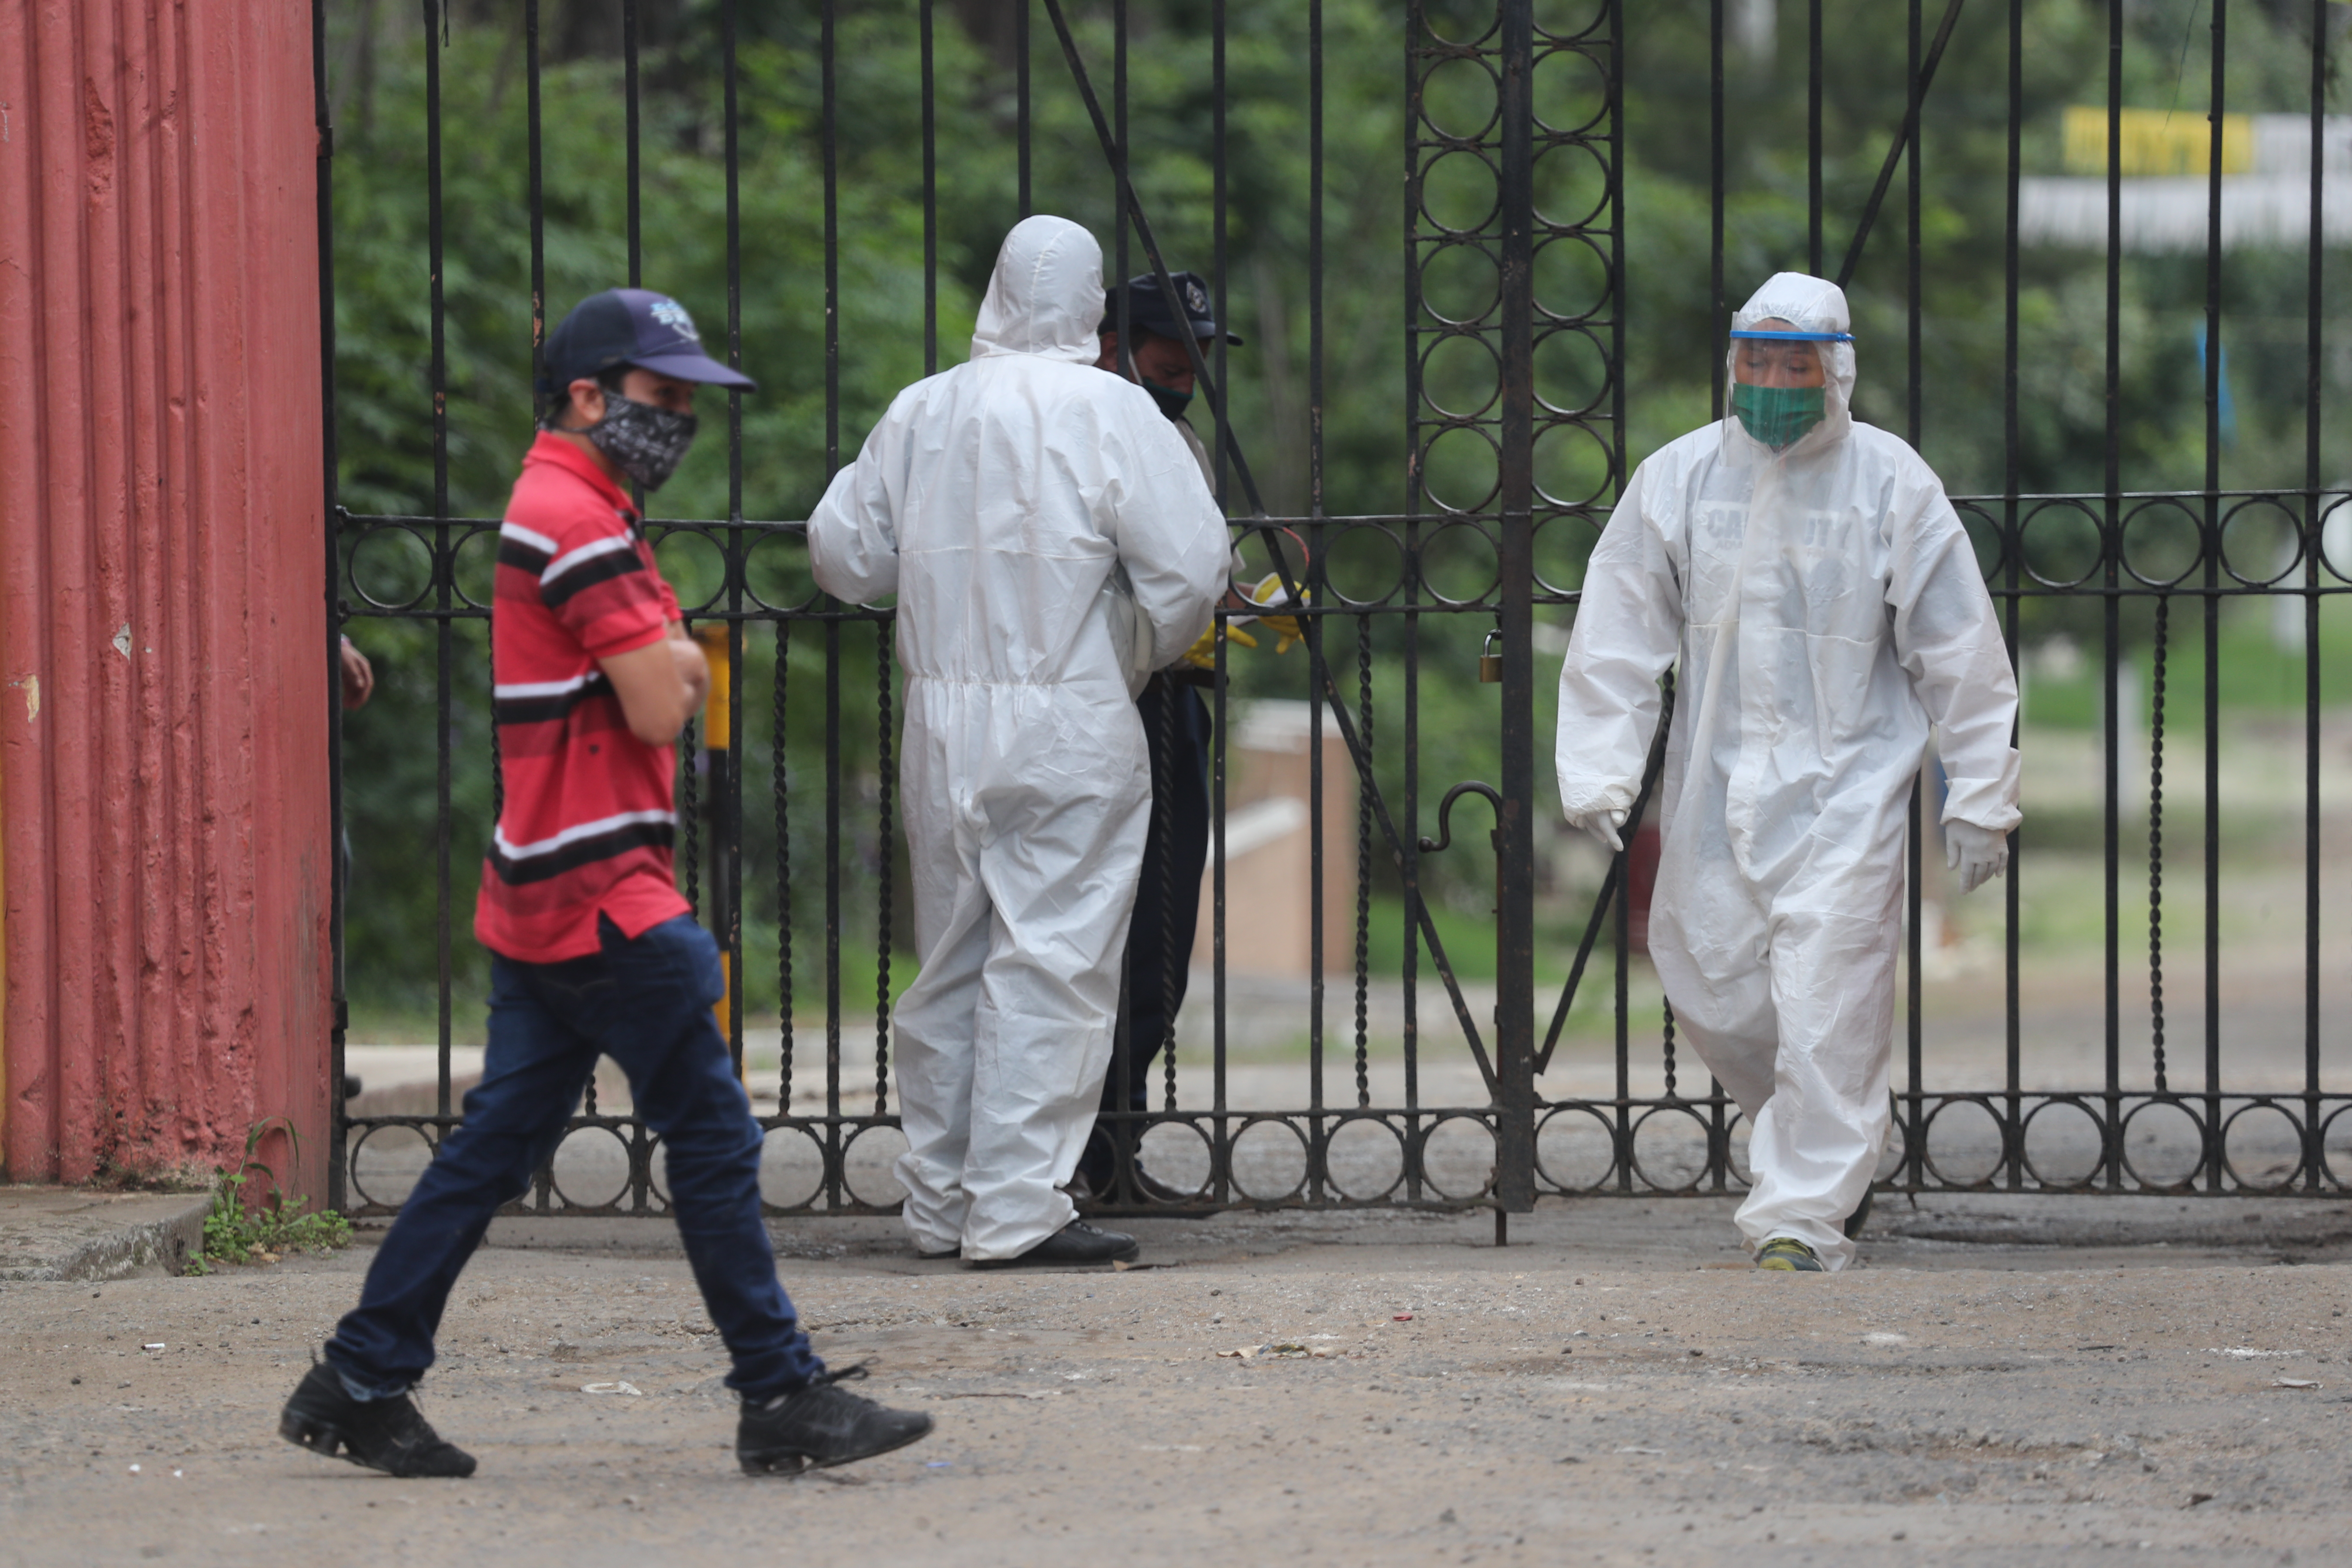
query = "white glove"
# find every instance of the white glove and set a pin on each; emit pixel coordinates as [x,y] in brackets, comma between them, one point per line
[1603,825]
[1978,854]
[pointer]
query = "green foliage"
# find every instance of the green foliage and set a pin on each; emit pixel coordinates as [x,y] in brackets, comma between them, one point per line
[1342,377]
[241,1230]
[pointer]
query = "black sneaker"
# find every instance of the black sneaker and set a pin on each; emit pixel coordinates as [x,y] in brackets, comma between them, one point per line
[820,1425]
[386,1435]
[1076,1242]
[1859,1217]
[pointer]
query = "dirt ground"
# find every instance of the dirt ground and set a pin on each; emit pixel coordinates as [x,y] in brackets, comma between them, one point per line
[2050,1380]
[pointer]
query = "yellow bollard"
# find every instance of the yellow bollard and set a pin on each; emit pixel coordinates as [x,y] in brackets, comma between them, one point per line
[718,739]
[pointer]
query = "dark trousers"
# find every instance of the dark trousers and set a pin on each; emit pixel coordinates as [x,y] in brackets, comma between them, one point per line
[647,1004]
[1176,733]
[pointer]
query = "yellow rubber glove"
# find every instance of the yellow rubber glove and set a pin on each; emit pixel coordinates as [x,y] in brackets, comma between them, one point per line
[1202,654]
[1286,629]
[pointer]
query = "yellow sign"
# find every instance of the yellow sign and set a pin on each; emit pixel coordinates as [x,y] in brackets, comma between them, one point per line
[2157,142]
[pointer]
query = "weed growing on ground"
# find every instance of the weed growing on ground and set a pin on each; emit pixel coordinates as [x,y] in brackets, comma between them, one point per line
[265,1231]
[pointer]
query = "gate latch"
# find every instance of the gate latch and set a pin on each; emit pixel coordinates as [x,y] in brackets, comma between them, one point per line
[1490,663]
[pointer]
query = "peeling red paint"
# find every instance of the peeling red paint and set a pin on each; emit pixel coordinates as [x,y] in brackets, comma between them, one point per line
[165,823]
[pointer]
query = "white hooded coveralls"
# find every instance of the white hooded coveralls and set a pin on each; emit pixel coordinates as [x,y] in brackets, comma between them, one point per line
[996,500]
[1826,607]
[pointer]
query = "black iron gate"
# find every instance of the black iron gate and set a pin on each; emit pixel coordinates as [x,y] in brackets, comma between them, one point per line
[1515,292]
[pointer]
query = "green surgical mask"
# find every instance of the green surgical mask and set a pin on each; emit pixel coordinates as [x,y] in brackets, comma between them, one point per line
[1778,416]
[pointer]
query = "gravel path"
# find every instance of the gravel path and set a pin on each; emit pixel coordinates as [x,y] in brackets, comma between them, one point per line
[2046,1380]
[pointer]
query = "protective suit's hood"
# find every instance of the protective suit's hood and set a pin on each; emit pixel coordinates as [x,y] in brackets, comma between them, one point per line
[1045,296]
[1809,304]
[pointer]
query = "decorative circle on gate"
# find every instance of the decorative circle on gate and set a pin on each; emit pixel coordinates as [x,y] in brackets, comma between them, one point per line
[1364,564]
[1966,1142]
[1461,467]
[657,1176]
[2261,542]
[386,1161]
[1457,1157]
[2063,1143]
[474,567]
[1459,193]
[792,1167]
[776,571]
[2331,1143]
[868,1162]
[2163,541]
[1669,1148]
[1364,1158]
[1563,545]
[1574,467]
[1576,1149]
[1985,535]
[591,1169]
[2336,538]
[1571,184]
[1460,378]
[2163,1145]
[1458,563]
[2060,544]
[1571,372]
[1571,91]
[1567,21]
[1460,282]
[1179,1154]
[693,564]
[1737,1136]
[1891,1158]
[1571,279]
[391,566]
[2261,1146]
[1268,1160]
[1460,98]
[1466,23]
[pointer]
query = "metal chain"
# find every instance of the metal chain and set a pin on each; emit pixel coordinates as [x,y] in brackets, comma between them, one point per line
[882,955]
[1170,694]
[689,816]
[1363,863]
[779,783]
[2156,841]
[1670,1049]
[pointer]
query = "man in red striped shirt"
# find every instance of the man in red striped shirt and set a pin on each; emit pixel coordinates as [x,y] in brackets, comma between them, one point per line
[594,953]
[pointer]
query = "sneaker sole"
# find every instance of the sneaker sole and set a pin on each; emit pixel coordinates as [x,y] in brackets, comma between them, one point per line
[785,1463]
[326,1439]
[1029,1260]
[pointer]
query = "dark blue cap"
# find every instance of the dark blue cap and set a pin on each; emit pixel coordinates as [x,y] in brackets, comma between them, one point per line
[631,327]
[1148,308]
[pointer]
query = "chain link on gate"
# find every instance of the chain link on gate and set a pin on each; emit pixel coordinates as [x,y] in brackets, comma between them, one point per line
[1514,309]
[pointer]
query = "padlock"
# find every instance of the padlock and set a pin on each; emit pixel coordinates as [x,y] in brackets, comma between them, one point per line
[1490,663]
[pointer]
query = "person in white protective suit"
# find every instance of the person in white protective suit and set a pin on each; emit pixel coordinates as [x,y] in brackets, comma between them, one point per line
[1051,542]
[1826,608]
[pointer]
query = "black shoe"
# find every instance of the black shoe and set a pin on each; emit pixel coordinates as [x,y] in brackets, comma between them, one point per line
[1155,1191]
[1076,1242]
[1859,1217]
[936,1257]
[386,1435]
[820,1425]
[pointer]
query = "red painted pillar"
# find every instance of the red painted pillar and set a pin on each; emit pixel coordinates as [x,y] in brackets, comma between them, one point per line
[162,672]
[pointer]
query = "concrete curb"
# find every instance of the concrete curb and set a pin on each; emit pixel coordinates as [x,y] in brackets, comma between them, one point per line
[61,1234]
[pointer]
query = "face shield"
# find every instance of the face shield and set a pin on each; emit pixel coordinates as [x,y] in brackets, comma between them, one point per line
[1781,380]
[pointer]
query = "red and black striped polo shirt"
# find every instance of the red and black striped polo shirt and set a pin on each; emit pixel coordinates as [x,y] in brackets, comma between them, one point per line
[589,816]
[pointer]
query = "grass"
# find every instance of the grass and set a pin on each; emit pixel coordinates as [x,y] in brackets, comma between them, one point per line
[239,1232]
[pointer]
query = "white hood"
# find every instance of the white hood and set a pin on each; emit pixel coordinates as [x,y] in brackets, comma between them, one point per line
[1809,304]
[1045,296]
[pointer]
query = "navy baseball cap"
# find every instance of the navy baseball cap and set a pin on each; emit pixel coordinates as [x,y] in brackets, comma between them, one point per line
[1148,308]
[632,327]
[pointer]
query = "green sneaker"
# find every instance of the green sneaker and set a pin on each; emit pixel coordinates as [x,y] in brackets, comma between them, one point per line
[1787,1255]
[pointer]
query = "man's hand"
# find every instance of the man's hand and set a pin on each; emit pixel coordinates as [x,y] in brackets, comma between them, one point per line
[1978,854]
[1202,654]
[359,677]
[660,686]
[1603,826]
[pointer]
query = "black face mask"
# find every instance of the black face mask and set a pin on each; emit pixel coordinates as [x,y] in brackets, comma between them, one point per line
[1171,402]
[645,442]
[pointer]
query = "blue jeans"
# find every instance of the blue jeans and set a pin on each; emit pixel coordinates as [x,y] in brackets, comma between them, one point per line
[646,1003]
